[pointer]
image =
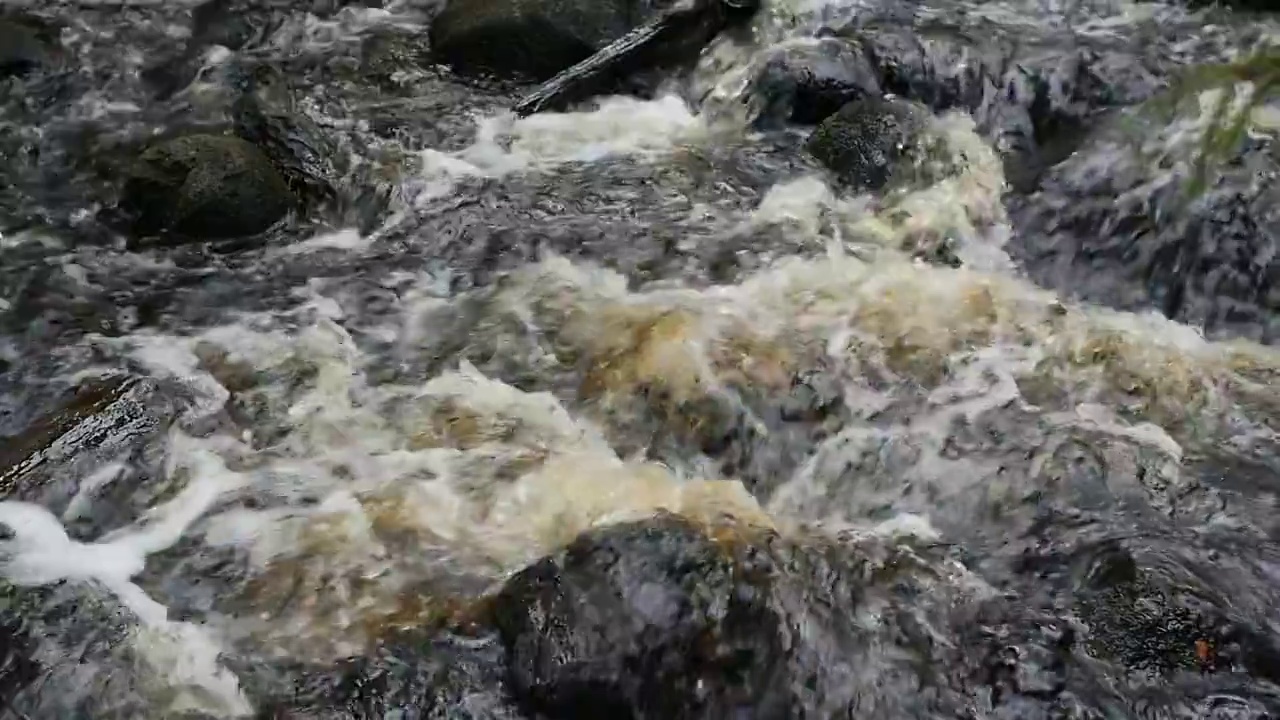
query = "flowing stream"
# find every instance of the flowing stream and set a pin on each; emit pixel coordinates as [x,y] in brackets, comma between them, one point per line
[280,455]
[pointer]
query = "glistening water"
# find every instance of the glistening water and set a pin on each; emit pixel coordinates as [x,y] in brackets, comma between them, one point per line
[1029,430]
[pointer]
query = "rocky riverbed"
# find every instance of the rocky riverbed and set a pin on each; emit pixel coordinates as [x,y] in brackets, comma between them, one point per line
[830,359]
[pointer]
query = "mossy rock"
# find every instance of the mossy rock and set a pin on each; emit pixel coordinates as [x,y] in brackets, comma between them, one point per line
[868,140]
[204,187]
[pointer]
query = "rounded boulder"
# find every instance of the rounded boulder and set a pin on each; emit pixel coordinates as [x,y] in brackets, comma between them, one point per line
[204,187]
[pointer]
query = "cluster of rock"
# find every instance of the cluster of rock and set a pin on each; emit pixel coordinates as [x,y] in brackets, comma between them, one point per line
[867,85]
[274,160]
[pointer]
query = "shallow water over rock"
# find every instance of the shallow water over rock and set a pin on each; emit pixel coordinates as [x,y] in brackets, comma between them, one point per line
[637,409]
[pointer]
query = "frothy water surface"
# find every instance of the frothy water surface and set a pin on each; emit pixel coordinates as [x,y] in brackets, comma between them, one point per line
[574,320]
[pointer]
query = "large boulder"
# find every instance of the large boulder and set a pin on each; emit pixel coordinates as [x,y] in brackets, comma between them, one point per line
[667,618]
[1030,88]
[532,39]
[204,187]
[867,141]
[648,620]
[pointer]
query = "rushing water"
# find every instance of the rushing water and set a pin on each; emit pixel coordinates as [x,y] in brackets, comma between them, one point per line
[286,453]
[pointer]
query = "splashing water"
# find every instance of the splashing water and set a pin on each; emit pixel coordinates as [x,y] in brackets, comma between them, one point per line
[184,655]
[379,429]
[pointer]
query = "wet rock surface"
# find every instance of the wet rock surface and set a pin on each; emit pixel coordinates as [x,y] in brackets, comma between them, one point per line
[1033,90]
[1206,258]
[869,140]
[264,114]
[808,81]
[99,449]
[204,187]
[647,620]
[534,39]
[413,677]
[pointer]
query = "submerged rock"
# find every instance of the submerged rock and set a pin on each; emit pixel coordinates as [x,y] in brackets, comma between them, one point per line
[204,187]
[25,46]
[867,140]
[806,82]
[532,39]
[97,465]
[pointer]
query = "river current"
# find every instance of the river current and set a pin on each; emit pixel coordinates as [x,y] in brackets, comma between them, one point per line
[286,453]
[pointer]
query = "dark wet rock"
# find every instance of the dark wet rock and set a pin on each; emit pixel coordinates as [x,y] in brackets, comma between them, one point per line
[1132,620]
[66,648]
[666,618]
[1025,100]
[534,39]
[642,620]
[232,24]
[867,141]
[204,187]
[25,45]
[96,461]
[806,82]
[264,113]
[630,64]
[1107,228]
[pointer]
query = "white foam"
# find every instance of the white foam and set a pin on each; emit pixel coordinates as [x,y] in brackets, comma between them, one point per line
[504,143]
[185,656]
[347,239]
